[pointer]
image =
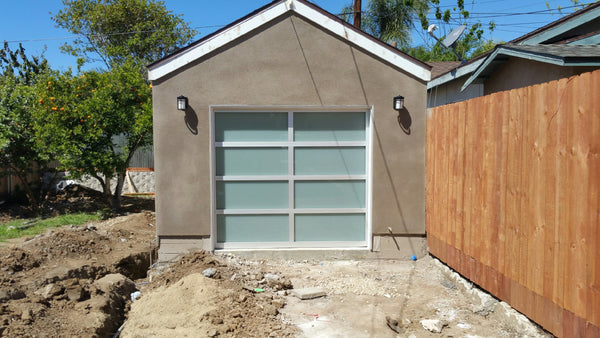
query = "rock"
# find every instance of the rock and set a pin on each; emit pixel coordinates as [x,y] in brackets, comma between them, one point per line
[212,333]
[271,276]
[433,325]
[488,303]
[448,285]
[27,315]
[210,272]
[308,293]
[270,310]
[278,303]
[74,293]
[51,290]
[116,283]
[17,294]
[3,296]
[392,324]
[57,274]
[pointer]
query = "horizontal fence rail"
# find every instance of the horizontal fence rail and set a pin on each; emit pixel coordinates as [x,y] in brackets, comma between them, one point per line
[513,204]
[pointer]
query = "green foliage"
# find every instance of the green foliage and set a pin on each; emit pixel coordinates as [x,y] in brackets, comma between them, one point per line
[393,20]
[115,31]
[19,154]
[470,44]
[20,228]
[390,20]
[79,118]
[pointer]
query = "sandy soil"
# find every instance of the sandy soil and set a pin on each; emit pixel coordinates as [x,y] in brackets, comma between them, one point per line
[180,301]
[78,281]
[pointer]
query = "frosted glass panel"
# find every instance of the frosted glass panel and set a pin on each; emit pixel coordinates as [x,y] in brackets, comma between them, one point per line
[339,227]
[329,126]
[255,127]
[330,194]
[252,228]
[252,195]
[252,161]
[330,161]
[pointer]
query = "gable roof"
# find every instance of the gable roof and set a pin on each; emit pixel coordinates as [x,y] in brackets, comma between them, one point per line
[561,28]
[561,55]
[563,31]
[441,67]
[276,9]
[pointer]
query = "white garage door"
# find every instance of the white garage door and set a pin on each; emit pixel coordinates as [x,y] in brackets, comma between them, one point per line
[291,179]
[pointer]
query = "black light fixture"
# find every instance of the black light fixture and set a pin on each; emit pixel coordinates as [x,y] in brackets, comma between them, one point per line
[182,102]
[398,102]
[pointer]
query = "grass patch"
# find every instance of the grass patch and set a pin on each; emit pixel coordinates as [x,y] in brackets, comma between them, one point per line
[30,227]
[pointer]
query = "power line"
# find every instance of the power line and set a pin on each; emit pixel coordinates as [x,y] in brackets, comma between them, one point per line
[474,16]
[105,35]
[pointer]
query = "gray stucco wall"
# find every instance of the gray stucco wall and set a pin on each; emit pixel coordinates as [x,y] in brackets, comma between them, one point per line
[289,62]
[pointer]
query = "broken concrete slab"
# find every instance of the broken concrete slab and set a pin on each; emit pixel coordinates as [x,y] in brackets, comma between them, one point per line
[308,293]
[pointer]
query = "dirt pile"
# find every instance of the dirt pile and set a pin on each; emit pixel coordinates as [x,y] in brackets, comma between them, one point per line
[237,300]
[74,281]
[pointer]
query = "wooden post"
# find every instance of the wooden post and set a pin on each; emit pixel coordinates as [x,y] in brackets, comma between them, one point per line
[357,13]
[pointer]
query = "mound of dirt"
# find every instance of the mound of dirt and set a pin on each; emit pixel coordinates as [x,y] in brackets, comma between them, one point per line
[74,281]
[237,300]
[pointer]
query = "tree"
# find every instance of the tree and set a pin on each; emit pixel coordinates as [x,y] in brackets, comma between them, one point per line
[114,31]
[390,20]
[471,44]
[81,118]
[18,150]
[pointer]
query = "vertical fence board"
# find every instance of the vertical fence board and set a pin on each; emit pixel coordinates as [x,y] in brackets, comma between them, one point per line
[549,126]
[516,206]
[593,280]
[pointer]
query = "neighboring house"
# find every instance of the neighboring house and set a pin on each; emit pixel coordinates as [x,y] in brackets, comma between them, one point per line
[289,139]
[563,48]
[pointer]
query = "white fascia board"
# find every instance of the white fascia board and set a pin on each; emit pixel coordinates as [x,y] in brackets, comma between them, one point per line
[363,41]
[455,74]
[272,13]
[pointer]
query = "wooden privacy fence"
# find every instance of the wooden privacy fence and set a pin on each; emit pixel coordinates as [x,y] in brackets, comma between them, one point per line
[513,198]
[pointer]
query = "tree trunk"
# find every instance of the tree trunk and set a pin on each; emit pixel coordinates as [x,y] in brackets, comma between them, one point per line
[31,196]
[116,199]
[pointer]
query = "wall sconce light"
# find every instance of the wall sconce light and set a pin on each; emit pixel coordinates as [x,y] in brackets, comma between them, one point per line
[398,102]
[182,102]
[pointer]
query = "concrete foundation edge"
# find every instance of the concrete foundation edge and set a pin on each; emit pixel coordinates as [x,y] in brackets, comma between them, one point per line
[384,247]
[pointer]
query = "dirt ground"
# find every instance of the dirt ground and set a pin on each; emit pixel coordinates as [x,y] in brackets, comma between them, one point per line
[180,302]
[79,281]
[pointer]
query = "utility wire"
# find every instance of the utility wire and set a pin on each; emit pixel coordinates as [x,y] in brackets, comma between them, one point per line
[105,35]
[473,15]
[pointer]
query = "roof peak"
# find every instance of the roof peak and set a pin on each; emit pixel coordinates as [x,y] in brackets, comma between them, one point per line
[276,9]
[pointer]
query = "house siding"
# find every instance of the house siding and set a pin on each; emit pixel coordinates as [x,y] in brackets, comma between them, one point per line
[519,73]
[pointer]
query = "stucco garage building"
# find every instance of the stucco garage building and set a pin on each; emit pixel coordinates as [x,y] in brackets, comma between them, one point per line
[289,139]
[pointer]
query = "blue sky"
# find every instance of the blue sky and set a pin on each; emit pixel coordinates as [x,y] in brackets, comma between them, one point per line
[29,22]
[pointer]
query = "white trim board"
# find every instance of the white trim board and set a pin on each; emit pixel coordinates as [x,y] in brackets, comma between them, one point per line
[398,59]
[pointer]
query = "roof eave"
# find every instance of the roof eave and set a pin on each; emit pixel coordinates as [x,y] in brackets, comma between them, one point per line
[456,73]
[272,11]
[539,57]
[559,26]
